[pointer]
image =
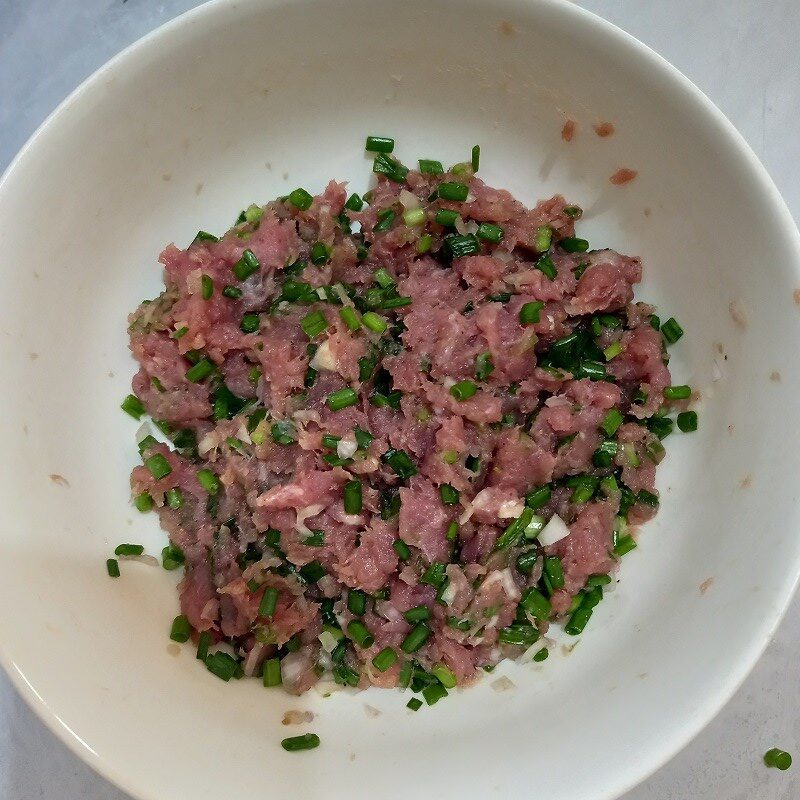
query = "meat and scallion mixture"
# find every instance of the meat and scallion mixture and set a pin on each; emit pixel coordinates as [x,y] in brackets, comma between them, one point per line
[396,437]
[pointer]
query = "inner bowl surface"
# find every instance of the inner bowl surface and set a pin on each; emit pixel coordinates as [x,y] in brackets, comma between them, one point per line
[238,102]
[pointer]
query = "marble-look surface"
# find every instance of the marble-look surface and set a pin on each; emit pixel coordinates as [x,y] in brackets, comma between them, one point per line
[742,53]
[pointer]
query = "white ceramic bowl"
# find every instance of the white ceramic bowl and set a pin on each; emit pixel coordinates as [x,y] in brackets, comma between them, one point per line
[242,101]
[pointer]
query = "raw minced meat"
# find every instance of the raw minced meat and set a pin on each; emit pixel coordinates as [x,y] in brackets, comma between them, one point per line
[371,412]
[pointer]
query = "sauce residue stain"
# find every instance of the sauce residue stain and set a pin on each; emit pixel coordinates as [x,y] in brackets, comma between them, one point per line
[167,176]
[738,313]
[622,176]
[173,650]
[33,356]
[604,129]
[796,297]
[199,188]
[568,131]
[293,717]
[775,376]
[506,28]
[59,480]
[706,585]
[647,211]
[746,482]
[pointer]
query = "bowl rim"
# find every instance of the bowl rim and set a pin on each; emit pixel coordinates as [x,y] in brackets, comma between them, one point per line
[737,671]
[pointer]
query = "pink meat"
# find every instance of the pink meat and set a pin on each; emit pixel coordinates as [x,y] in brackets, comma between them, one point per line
[424,519]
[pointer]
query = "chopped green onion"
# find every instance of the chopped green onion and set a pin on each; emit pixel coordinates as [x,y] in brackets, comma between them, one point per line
[538,497]
[301,199]
[246,265]
[172,557]
[272,672]
[573,212]
[250,323]
[360,634]
[204,236]
[147,443]
[269,602]
[336,401]
[158,466]
[526,561]
[385,220]
[671,330]
[312,572]
[180,332]
[611,422]
[143,502]
[354,203]
[232,292]
[444,675]
[476,157]
[484,366]
[222,665]
[417,614]
[660,426]
[543,238]
[463,390]
[604,454]
[677,392]
[554,571]
[449,495]
[541,655]
[402,549]
[112,567]
[203,643]
[283,432]
[415,704]
[356,602]
[647,498]
[363,438]
[450,456]
[687,421]
[530,312]
[315,539]
[457,246]
[390,167]
[624,545]
[313,324]
[446,217]
[515,530]
[612,351]
[571,244]
[584,488]
[352,497]
[133,405]
[379,144]
[400,463]
[202,369]
[319,253]
[418,636]
[434,574]
[428,166]
[208,480]
[778,758]
[308,741]
[518,635]
[373,322]
[180,629]
[384,659]
[206,287]
[545,264]
[414,216]
[489,233]
[424,244]
[453,191]
[535,603]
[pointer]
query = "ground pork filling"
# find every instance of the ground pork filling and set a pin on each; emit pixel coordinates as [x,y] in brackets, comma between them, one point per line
[394,438]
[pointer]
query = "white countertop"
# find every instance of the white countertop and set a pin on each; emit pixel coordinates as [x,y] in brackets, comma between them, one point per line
[743,54]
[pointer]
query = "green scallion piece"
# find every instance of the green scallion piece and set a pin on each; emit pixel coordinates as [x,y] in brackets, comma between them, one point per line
[203,643]
[543,238]
[269,602]
[647,498]
[415,704]
[452,531]
[354,203]
[246,265]
[584,488]
[671,330]
[202,369]
[232,292]
[687,421]
[112,567]
[158,466]
[428,166]
[204,236]
[208,480]
[545,264]
[418,636]
[374,322]
[612,351]
[308,741]
[344,398]
[450,495]
[515,530]
[181,332]
[301,199]
[535,603]
[402,549]
[778,758]
[134,406]
[172,557]
[554,571]
[530,313]
[385,220]
[206,287]
[143,502]
[457,246]
[313,324]
[283,432]
[463,390]
[424,243]
[476,157]
[400,462]
[541,655]
[611,422]
[384,659]
[453,191]
[414,216]
[356,602]
[360,634]
[624,545]
[433,693]
[390,167]
[434,574]
[180,630]
[484,366]
[272,672]
[444,675]
[319,253]
[417,614]
[350,317]
[538,497]
[352,497]
[660,426]
[446,217]
[379,144]
[519,635]
[250,323]
[677,392]
[572,244]
[489,233]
